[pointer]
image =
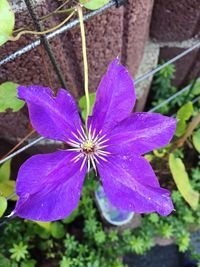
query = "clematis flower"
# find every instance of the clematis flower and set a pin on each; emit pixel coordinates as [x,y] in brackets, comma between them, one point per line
[49,185]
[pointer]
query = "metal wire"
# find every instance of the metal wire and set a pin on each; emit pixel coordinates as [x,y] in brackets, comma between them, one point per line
[152,72]
[11,196]
[42,138]
[21,149]
[39,26]
[50,36]
[140,79]
[196,99]
[73,24]
[185,89]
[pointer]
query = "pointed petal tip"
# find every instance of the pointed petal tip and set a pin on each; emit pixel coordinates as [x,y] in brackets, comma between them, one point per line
[167,206]
[48,113]
[115,97]
[23,91]
[130,184]
[142,132]
[116,60]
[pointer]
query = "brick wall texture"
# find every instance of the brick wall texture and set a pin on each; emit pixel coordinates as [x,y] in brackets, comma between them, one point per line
[120,31]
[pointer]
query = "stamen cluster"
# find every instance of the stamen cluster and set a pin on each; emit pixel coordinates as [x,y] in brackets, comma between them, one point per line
[91,147]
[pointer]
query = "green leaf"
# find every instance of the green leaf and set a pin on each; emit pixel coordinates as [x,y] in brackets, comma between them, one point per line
[82,104]
[180,128]
[43,233]
[72,216]
[100,237]
[185,112]
[19,251]
[66,262]
[28,263]
[196,140]
[8,97]
[196,89]
[153,217]
[3,205]
[181,179]
[7,21]
[159,153]
[45,225]
[5,171]
[7,188]
[149,157]
[57,230]
[93,4]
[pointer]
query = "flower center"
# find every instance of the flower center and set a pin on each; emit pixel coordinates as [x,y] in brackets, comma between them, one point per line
[88,146]
[91,147]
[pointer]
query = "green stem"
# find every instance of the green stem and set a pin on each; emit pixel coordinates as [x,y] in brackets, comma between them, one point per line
[85,63]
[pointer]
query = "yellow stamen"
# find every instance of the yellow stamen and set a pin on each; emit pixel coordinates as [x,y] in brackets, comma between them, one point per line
[88,145]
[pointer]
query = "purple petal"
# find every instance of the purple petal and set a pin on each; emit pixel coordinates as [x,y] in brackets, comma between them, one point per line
[52,117]
[115,98]
[49,186]
[130,184]
[142,132]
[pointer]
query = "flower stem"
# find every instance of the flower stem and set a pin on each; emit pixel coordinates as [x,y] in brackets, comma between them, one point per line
[15,38]
[85,63]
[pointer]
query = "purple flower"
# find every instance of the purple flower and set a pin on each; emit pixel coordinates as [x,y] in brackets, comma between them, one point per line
[49,185]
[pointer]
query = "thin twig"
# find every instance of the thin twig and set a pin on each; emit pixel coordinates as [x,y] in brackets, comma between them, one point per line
[19,144]
[192,125]
[53,12]
[21,149]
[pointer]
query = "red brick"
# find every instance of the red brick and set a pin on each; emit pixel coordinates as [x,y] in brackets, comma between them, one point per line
[175,20]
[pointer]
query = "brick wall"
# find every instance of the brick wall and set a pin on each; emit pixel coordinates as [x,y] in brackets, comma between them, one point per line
[125,31]
[175,26]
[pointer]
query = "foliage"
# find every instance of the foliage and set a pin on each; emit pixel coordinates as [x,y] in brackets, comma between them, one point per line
[183,115]
[8,97]
[5,171]
[162,89]
[93,4]
[18,251]
[57,230]
[7,186]
[7,21]
[3,205]
[82,104]
[90,244]
[196,140]
[181,179]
